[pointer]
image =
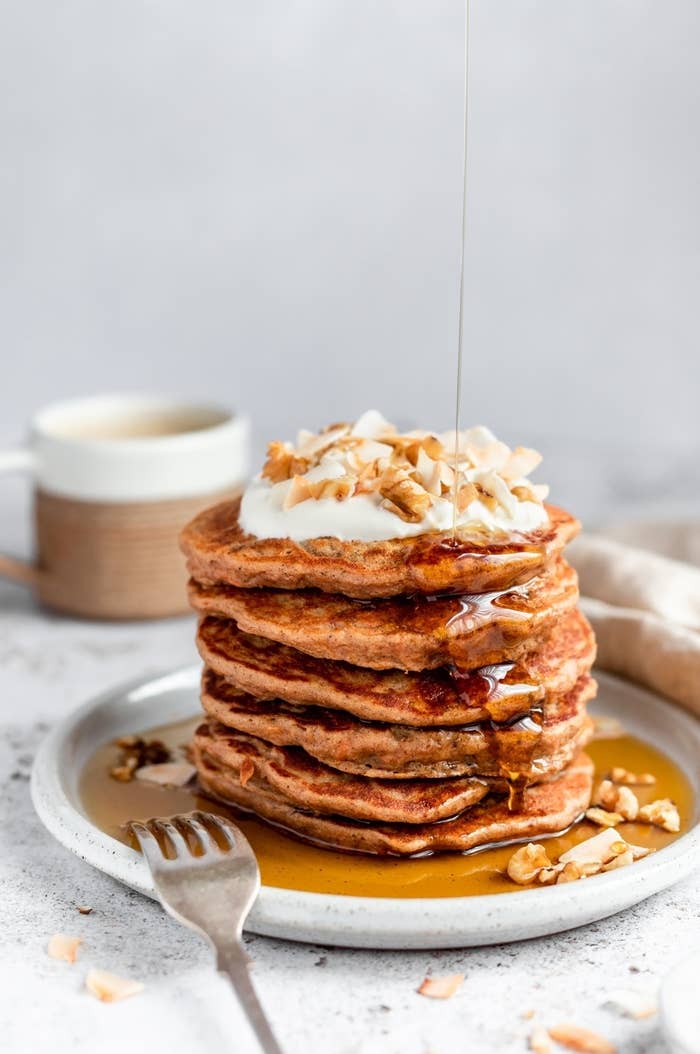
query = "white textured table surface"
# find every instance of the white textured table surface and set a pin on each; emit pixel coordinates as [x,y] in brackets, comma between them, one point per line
[319,999]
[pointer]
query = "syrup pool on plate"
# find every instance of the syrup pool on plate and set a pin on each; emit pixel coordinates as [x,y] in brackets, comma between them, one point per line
[287,863]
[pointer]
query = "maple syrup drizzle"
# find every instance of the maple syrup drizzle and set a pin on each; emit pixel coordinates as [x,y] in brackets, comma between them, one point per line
[288,863]
[463,239]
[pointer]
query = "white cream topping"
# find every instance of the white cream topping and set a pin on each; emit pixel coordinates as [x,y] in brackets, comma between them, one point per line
[356,465]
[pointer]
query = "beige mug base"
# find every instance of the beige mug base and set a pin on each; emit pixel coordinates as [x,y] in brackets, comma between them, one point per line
[114,560]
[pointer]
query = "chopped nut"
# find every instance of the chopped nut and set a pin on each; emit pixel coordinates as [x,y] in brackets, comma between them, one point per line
[441,987]
[84,910]
[109,988]
[662,813]
[548,875]
[631,779]
[539,1041]
[135,753]
[167,774]
[246,770]
[282,463]
[571,872]
[526,863]
[581,1039]
[405,495]
[617,799]
[63,947]
[603,818]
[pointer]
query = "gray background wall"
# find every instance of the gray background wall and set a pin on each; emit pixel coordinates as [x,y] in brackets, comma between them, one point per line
[260,202]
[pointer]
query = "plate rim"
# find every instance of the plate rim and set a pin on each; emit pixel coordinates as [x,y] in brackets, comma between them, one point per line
[385,920]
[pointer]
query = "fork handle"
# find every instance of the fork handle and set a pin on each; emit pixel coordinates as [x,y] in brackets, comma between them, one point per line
[233,962]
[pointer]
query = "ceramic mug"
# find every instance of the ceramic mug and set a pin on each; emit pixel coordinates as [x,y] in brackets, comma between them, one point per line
[116,478]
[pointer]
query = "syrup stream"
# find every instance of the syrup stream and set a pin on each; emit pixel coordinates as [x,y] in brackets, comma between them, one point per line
[460,306]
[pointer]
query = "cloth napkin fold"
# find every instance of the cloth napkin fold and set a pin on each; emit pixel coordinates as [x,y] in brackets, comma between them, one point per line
[644,607]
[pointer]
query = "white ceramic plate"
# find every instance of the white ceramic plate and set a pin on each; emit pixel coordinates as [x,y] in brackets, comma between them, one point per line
[366,922]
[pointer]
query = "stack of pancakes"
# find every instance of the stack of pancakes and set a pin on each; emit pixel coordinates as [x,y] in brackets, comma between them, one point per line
[415,695]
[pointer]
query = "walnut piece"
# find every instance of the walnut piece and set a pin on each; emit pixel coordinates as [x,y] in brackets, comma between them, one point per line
[135,753]
[404,495]
[441,987]
[619,799]
[661,813]
[527,862]
[581,1039]
[603,818]
[282,463]
[63,947]
[632,779]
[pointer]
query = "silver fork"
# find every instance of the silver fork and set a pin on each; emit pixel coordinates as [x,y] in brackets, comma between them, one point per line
[211,893]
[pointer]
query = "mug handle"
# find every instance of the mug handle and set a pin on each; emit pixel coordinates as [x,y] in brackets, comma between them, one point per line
[10,567]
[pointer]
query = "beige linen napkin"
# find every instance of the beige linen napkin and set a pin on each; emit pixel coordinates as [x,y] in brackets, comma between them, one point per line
[645,608]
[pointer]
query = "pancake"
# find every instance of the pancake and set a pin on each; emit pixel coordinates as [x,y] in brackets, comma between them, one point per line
[309,784]
[385,751]
[407,633]
[218,550]
[545,809]
[444,696]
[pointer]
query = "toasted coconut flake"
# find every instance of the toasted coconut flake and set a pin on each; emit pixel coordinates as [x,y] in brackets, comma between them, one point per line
[603,818]
[539,1041]
[661,813]
[441,987]
[527,862]
[246,771]
[63,947]
[631,1003]
[640,851]
[623,860]
[632,779]
[300,490]
[596,850]
[340,488]
[167,774]
[581,1039]
[521,463]
[109,988]
[466,494]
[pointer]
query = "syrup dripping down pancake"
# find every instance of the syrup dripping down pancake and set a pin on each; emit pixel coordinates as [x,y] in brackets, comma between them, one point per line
[408,633]
[218,550]
[523,749]
[444,696]
[547,808]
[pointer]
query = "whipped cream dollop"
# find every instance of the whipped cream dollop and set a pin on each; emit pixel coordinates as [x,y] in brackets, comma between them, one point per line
[368,482]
